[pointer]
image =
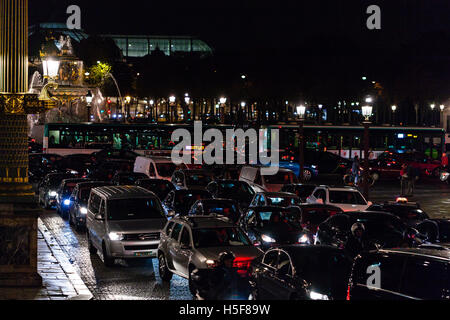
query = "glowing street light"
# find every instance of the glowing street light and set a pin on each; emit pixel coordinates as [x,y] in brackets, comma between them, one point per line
[432,106]
[152,102]
[369,100]
[223,100]
[442,107]
[394,108]
[187,100]
[243,104]
[301,111]
[50,68]
[366,112]
[172,99]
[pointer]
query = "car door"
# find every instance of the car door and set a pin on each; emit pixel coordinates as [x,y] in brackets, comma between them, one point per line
[283,284]
[266,280]
[184,248]
[173,246]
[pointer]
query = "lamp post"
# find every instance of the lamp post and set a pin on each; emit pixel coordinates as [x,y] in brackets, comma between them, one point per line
[393,108]
[367,113]
[172,100]
[222,101]
[441,120]
[320,106]
[432,107]
[89,101]
[301,111]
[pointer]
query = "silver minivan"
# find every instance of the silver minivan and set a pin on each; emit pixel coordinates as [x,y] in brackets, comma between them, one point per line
[124,222]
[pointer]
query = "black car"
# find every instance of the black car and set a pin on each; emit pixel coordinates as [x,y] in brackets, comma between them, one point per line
[79,200]
[179,202]
[401,274]
[107,170]
[113,154]
[223,207]
[302,191]
[381,229]
[192,179]
[39,165]
[127,178]
[328,162]
[232,189]
[435,230]
[63,195]
[48,187]
[76,162]
[410,213]
[270,226]
[159,187]
[300,272]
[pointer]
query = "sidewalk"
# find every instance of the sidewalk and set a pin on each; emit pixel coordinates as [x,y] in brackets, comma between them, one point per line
[59,278]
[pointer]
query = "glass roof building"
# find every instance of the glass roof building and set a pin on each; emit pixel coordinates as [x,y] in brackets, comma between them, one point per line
[139,46]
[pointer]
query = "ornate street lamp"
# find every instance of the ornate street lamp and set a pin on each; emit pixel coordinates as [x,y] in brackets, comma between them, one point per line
[301,112]
[89,101]
[367,113]
[50,68]
[393,108]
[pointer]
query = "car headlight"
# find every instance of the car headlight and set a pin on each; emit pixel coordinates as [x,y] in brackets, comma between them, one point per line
[52,193]
[267,239]
[115,236]
[304,239]
[314,166]
[66,202]
[211,263]
[83,210]
[318,296]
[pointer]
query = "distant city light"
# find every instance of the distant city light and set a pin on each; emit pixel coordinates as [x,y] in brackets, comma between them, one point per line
[442,107]
[172,99]
[432,106]
[394,108]
[364,78]
[223,100]
[369,100]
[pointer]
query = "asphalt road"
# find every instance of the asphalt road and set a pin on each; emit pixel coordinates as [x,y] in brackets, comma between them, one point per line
[139,279]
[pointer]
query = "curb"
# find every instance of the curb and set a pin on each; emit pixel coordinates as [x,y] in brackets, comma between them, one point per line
[83,292]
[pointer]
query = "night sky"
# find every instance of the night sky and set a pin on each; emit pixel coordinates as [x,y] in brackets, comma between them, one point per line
[239,27]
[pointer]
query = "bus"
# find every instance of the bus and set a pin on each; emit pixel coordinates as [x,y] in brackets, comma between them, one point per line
[347,141]
[155,139]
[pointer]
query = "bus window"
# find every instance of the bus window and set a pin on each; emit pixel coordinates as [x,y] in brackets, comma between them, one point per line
[53,138]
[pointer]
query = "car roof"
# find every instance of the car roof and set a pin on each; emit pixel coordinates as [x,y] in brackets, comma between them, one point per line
[199,222]
[190,191]
[332,188]
[294,249]
[278,194]
[90,184]
[123,192]
[420,252]
[301,185]
[270,208]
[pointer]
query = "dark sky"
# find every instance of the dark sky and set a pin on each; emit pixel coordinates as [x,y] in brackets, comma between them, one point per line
[244,26]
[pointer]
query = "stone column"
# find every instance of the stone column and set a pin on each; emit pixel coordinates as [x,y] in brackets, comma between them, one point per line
[18,209]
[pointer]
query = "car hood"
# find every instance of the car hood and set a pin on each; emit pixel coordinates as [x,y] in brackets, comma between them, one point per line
[249,252]
[282,235]
[138,226]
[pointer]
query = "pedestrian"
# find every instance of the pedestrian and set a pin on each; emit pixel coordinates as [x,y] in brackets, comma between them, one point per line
[444,161]
[403,179]
[355,242]
[410,180]
[355,169]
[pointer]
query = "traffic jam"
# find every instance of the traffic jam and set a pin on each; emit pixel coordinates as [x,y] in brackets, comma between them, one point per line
[237,234]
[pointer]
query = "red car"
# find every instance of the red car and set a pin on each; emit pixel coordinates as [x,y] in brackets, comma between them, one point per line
[426,165]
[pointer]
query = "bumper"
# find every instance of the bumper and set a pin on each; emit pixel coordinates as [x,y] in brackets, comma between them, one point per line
[134,249]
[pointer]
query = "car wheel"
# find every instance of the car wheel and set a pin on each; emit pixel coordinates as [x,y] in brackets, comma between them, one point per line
[164,271]
[107,260]
[307,175]
[92,248]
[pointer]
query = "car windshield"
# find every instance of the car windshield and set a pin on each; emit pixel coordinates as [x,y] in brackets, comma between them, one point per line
[347,197]
[133,209]
[278,218]
[234,188]
[165,169]
[304,191]
[186,199]
[222,208]
[198,179]
[282,201]
[68,188]
[280,178]
[376,226]
[219,237]
[84,195]
[55,181]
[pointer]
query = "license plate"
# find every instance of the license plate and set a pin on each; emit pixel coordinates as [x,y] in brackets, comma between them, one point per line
[142,254]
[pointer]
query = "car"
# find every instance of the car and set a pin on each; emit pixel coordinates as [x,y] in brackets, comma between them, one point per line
[195,242]
[299,272]
[435,230]
[303,191]
[127,178]
[347,198]
[47,188]
[274,199]
[192,179]
[269,226]
[381,229]
[179,202]
[113,154]
[312,215]
[124,222]
[403,274]
[232,189]
[108,168]
[223,207]
[309,171]
[160,187]
[64,192]
[409,212]
[327,162]
[42,164]
[385,169]
[76,162]
[157,167]
[79,202]
[424,164]
[260,182]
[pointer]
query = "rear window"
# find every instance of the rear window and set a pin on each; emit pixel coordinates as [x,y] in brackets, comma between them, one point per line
[219,237]
[134,209]
[426,279]
[347,197]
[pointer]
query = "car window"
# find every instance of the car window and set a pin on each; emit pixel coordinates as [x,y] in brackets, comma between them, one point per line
[271,258]
[176,231]
[101,210]
[152,171]
[284,264]
[220,237]
[185,239]
[135,209]
[262,200]
[320,194]
[425,279]
[347,197]
[94,203]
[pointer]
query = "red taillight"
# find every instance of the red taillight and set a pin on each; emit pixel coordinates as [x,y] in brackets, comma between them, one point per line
[241,263]
[348,293]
